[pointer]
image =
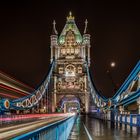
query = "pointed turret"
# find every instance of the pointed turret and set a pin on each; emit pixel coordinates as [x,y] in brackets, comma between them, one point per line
[54,31]
[70,25]
[70,17]
[86,29]
[86,42]
[54,38]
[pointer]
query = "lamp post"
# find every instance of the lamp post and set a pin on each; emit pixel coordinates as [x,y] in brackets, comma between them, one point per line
[112,65]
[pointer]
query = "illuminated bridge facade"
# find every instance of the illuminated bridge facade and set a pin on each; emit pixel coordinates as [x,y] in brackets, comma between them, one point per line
[69,87]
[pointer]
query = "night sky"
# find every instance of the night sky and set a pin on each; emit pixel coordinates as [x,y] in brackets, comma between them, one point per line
[25,29]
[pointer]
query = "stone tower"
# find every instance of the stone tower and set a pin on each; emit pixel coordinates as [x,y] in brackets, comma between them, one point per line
[71,52]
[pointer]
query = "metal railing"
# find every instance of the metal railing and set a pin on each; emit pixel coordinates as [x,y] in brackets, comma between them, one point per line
[131,119]
[59,130]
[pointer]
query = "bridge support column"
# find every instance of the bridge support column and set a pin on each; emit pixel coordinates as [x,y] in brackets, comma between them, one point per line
[89,55]
[53,101]
[41,106]
[86,95]
[86,102]
[44,104]
[109,115]
[37,108]
[65,107]
[33,110]
[54,95]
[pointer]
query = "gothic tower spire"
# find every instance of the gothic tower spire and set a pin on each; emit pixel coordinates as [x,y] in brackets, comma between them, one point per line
[53,38]
[85,30]
[70,17]
[86,42]
[54,32]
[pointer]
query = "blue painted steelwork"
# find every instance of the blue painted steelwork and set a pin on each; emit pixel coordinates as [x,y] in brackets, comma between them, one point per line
[59,130]
[131,77]
[132,119]
[4,104]
[92,82]
[124,96]
[129,96]
[32,100]
[99,100]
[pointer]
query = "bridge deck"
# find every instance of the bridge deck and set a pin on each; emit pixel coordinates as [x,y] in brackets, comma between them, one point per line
[85,128]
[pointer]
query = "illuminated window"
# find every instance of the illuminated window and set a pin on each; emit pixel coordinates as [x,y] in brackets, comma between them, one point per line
[70,38]
[76,51]
[79,69]
[70,70]
[72,51]
[63,51]
[68,51]
[60,70]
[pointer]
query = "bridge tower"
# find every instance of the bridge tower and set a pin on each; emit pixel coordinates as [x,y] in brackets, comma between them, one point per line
[71,52]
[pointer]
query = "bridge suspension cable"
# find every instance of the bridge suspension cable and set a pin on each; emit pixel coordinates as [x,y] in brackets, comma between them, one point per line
[99,100]
[32,100]
[130,89]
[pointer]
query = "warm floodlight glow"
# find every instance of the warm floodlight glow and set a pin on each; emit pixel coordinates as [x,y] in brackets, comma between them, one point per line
[112,64]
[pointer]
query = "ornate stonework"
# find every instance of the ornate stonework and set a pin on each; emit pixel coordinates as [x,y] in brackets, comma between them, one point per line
[71,52]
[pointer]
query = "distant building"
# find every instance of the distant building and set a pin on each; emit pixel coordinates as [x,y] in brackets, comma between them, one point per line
[11,88]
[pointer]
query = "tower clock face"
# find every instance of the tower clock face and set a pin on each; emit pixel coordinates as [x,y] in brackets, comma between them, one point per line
[70,70]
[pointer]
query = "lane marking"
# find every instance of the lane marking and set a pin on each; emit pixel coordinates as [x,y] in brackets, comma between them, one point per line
[89,136]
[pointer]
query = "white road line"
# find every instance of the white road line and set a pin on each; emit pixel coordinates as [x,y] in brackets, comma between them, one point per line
[89,136]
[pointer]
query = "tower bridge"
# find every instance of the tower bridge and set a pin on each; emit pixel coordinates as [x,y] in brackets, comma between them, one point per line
[69,87]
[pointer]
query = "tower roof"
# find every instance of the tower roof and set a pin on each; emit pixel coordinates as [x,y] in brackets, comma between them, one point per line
[70,25]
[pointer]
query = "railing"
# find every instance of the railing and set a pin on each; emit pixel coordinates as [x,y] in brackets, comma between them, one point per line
[59,130]
[132,119]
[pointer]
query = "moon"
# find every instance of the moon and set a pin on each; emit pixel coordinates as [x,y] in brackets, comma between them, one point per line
[112,64]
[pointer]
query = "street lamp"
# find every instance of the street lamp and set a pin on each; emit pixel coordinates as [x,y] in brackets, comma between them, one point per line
[112,65]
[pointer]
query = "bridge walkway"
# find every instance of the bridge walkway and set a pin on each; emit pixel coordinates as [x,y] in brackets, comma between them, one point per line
[105,130]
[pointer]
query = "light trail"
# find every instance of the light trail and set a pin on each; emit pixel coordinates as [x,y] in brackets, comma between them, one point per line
[14,79]
[31,116]
[14,89]
[12,96]
[13,131]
